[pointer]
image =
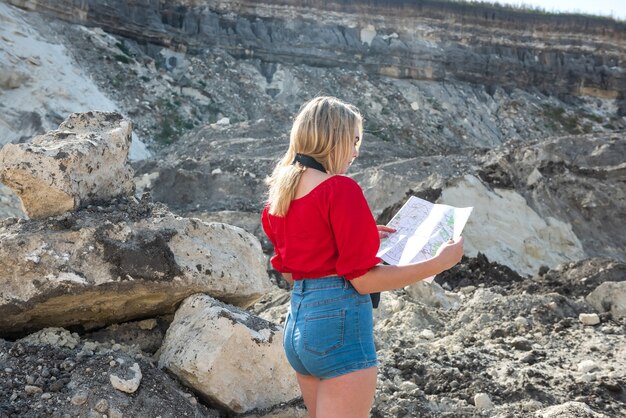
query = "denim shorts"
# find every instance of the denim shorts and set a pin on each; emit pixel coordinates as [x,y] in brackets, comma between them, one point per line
[329,329]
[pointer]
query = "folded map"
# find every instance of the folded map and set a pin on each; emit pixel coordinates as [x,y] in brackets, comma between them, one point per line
[421,228]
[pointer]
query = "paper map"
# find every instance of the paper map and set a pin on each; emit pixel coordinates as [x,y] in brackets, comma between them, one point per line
[421,228]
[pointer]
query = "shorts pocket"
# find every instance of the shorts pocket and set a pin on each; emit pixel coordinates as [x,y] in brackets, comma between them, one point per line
[324,331]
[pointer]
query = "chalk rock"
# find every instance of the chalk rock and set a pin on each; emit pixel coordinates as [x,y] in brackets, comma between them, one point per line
[587,366]
[93,269]
[427,334]
[31,389]
[58,337]
[83,161]
[589,319]
[483,401]
[228,356]
[569,410]
[521,322]
[522,234]
[127,384]
[609,297]
[433,295]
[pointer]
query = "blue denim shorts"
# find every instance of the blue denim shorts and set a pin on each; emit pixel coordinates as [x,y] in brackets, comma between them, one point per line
[329,329]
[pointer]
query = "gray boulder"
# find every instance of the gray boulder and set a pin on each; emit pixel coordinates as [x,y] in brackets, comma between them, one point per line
[609,297]
[228,356]
[120,262]
[83,161]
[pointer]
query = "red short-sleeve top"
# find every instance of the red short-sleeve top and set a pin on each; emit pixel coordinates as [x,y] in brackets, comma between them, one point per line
[329,231]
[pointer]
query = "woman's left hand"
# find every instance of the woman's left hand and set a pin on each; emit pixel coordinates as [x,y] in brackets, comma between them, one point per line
[384,231]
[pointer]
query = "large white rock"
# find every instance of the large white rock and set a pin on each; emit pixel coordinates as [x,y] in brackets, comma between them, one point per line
[609,297]
[229,356]
[504,228]
[483,401]
[95,268]
[130,384]
[84,161]
[432,294]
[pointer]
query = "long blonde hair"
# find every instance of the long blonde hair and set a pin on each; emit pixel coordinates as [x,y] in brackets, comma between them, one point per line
[324,129]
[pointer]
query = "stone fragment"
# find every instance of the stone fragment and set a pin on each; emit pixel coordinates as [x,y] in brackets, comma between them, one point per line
[115,413]
[427,334]
[483,401]
[147,324]
[211,346]
[609,297]
[521,322]
[433,295]
[116,270]
[129,385]
[58,337]
[522,344]
[79,398]
[533,177]
[589,319]
[587,366]
[84,161]
[31,389]
[102,406]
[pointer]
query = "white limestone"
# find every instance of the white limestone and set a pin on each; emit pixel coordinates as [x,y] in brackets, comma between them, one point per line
[228,356]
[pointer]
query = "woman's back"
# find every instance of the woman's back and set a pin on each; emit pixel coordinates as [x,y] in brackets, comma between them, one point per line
[328,230]
[310,180]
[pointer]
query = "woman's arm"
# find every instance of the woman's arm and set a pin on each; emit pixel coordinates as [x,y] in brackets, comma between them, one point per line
[287,277]
[381,277]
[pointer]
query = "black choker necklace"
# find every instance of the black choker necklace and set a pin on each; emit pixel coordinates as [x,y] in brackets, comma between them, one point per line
[308,161]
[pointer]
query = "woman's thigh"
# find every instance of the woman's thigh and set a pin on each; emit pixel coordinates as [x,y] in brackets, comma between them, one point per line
[347,396]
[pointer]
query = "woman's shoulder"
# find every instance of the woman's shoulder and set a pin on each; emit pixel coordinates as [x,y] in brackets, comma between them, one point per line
[345,184]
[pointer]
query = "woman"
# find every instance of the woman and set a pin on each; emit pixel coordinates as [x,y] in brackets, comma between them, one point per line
[326,240]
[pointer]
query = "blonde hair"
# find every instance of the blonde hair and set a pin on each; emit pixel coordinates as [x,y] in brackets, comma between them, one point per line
[324,129]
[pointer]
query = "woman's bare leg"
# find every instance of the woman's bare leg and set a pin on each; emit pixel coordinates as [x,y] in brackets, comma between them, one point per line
[308,387]
[348,396]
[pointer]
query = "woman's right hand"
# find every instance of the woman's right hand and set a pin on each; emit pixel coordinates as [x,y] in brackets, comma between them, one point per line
[450,253]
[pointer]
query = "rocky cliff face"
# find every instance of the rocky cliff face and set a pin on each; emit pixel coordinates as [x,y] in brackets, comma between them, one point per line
[430,41]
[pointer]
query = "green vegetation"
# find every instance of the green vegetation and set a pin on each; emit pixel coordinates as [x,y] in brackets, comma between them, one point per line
[582,121]
[122,47]
[558,115]
[122,58]
[172,124]
[435,104]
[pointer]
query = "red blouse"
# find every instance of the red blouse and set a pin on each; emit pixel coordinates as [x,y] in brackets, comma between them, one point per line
[329,231]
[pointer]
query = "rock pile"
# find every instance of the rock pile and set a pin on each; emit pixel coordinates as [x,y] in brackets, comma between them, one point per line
[94,257]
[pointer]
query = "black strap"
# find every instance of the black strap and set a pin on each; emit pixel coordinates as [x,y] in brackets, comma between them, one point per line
[308,161]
